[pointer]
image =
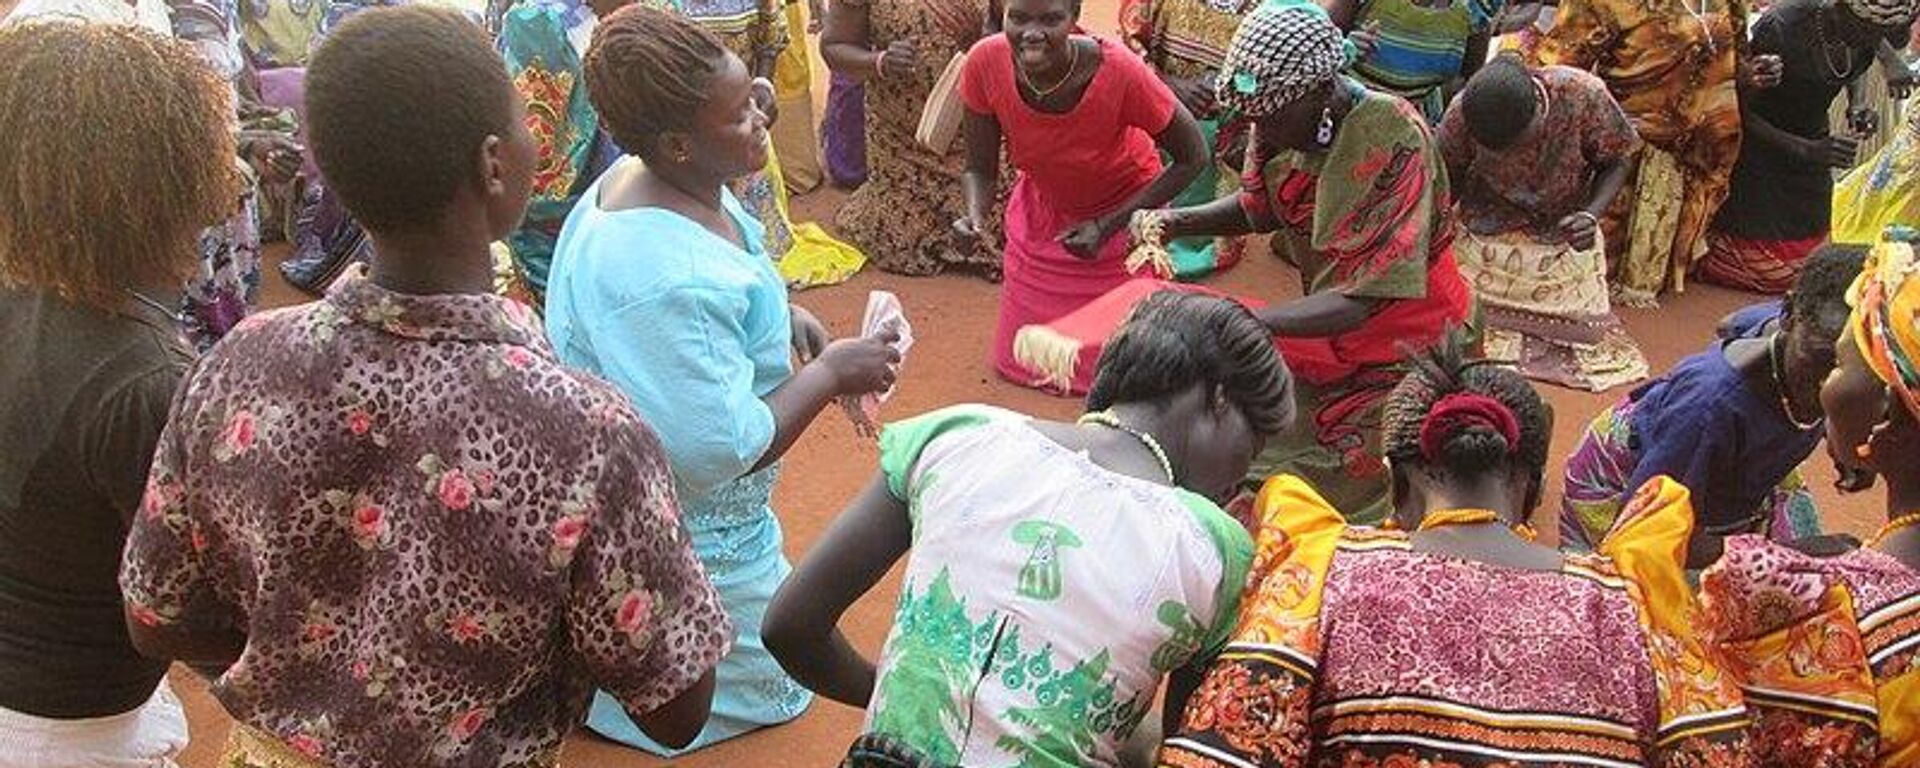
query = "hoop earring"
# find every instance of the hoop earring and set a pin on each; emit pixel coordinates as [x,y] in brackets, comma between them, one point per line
[1325,134]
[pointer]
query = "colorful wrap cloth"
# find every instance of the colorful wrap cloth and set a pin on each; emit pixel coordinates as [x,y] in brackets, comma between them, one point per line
[1886,319]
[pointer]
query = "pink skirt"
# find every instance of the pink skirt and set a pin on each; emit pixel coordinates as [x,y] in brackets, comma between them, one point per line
[1043,281]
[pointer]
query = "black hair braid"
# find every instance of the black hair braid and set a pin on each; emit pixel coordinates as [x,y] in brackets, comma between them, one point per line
[1176,340]
[648,72]
[1471,449]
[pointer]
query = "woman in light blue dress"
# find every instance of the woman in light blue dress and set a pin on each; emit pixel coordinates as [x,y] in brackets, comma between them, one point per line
[661,283]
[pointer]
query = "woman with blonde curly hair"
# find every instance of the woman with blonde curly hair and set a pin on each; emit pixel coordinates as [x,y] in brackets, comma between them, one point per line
[118,154]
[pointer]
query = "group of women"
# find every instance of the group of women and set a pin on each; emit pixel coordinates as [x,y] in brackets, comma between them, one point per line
[1384,603]
[1028,630]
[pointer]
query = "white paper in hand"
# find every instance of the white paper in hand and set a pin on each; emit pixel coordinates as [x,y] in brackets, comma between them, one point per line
[884,313]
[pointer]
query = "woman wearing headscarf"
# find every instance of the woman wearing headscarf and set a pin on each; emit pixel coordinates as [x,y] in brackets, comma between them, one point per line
[1778,205]
[1350,182]
[1673,65]
[1825,648]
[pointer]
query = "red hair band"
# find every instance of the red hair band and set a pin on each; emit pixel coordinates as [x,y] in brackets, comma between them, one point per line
[1462,410]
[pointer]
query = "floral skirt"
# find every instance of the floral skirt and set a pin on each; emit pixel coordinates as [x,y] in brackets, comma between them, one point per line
[1603,464]
[1547,310]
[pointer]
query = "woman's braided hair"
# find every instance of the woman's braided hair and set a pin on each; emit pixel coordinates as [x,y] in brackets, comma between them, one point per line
[1464,448]
[648,72]
[117,151]
[1176,340]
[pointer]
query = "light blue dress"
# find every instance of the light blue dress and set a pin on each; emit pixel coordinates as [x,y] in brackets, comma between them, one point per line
[696,331]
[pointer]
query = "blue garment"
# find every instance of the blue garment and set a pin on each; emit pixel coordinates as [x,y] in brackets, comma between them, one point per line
[1702,425]
[695,330]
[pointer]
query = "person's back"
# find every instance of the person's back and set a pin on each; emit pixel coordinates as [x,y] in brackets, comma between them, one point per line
[1057,571]
[407,534]
[86,395]
[1459,641]
[91,257]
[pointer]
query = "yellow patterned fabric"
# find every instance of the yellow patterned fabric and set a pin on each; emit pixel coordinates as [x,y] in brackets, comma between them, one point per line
[794,133]
[1886,319]
[1648,547]
[1883,191]
[1357,649]
[249,747]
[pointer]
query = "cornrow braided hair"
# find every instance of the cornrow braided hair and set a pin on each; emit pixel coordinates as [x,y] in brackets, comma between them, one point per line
[1470,449]
[118,150]
[648,72]
[1175,340]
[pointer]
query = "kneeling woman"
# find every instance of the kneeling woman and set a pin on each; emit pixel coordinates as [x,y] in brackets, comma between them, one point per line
[1825,646]
[1081,117]
[1058,571]
[1351,183]
[661,283]
[1462,642]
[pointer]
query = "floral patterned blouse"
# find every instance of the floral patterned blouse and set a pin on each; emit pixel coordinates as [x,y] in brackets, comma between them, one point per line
[1355,650]
[1827,651]
[436,539]
[1530,186]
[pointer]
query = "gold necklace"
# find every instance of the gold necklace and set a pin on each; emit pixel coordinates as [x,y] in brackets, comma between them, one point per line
[1895,525]
[1073,64]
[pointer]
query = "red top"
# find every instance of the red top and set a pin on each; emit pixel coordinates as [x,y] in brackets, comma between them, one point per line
[1087,161]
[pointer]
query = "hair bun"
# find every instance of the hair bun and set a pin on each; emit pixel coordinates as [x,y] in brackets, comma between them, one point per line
[1459,412]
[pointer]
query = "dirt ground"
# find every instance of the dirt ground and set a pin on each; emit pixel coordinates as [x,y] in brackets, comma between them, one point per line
[953,324]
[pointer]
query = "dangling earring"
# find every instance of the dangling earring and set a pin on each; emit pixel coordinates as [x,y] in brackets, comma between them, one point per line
[1325,135]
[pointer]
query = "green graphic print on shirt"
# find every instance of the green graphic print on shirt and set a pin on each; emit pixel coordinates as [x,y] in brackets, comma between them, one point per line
[938,655]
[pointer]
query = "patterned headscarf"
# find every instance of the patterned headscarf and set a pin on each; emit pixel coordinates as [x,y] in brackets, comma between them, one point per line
[1881,13]
[1886,316]
[1282,51]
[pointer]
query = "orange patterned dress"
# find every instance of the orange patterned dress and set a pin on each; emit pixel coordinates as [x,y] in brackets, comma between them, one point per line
[1672,65]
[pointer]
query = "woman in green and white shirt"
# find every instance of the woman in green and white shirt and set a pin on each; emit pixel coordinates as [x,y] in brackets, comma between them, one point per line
[1058,571]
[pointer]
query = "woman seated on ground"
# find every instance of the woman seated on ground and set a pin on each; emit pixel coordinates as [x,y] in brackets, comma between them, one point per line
[1084,122]
[1825,646]
[1537,155]
[661,283]
[1058,570]
[1351,184]
[1778,202]
[1461,640]
[1732,423]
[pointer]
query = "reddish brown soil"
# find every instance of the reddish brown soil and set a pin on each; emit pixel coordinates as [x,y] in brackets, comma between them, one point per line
[953,323]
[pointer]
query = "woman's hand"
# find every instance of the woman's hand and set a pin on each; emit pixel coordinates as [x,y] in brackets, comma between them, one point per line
[1831,152]
[1085,238]
[1365,41]
[1760,72]
[1197,93]
[900,60]
[810,336]
[766,99]
[273,155]
[860,366]
[816,16]
[1578,229]
[967,232]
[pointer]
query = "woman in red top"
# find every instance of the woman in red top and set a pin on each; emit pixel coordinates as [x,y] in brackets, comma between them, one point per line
[1085,121]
